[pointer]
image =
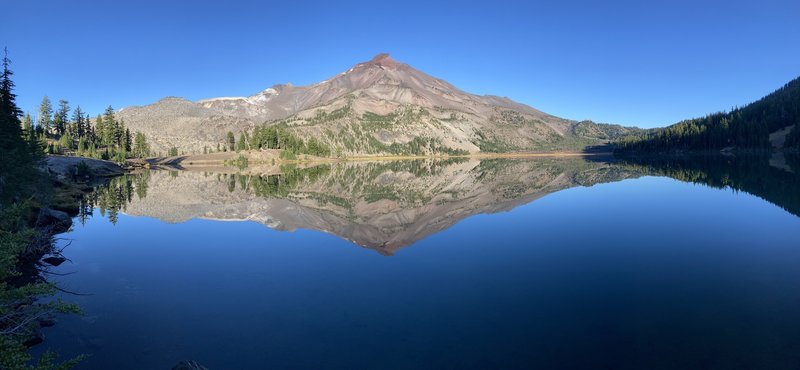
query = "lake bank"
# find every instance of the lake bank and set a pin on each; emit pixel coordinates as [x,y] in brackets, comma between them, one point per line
[41,209]
[273,157]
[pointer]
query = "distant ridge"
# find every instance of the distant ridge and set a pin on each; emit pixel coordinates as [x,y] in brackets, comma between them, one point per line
[771,123]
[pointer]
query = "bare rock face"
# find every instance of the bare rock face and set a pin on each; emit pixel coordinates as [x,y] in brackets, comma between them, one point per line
[65,167]
[361,111]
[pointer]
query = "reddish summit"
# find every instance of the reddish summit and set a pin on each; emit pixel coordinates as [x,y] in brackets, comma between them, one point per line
[382,60]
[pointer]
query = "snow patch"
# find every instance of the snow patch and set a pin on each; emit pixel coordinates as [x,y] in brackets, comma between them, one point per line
[222,98]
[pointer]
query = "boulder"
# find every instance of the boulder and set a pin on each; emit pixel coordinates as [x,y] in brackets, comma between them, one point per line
[59,219]
[68,167]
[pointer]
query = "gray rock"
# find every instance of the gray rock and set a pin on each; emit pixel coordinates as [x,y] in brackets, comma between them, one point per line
[65,167]
[60,220]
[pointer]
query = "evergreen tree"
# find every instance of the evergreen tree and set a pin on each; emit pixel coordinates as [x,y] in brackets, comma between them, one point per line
[17,153]
[231,141]
[99,131]
[128,143]
[78,119]
[27,125]
[89,135]
[242,143]
[61,117]
[45,119]
[119,134]
[11,142]
[109,127]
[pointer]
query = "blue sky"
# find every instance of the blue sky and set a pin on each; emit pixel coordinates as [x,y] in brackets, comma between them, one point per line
[645,63]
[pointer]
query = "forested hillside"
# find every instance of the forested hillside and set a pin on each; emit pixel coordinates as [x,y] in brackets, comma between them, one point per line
[743,128]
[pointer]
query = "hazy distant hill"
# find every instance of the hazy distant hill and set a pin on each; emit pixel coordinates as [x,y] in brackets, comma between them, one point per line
[365,110]
[773,122]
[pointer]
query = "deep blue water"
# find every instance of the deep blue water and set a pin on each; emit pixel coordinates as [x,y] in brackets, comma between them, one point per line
[643,273]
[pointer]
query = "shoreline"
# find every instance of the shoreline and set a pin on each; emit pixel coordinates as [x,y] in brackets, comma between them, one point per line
[223,159]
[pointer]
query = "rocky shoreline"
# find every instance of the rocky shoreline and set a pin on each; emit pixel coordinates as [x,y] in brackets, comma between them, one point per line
[71,179]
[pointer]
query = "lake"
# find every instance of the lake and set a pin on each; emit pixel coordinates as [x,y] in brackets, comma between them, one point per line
[552,263]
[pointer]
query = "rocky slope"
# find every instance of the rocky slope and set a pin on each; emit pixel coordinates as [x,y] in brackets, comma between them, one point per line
[365,110]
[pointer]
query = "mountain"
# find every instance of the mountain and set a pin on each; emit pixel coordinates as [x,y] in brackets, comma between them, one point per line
[377,107]
[771,123]
[380,205]
[388,205]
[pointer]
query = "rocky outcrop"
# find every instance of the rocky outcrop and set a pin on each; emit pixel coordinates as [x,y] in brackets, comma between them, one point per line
[59,221]
[72,167]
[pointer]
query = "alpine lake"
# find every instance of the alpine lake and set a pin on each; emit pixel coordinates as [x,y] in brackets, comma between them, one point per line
[460,263]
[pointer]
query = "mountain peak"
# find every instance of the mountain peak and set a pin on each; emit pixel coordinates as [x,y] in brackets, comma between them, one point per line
[382,60]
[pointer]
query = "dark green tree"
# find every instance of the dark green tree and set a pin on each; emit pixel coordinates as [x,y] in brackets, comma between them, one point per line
[140,147]
[78,119]
[11,140]
[241,145]
[231,141]
[128,143]
[99,131]
[45,119]
[109,127]
[27,125]
[61,118]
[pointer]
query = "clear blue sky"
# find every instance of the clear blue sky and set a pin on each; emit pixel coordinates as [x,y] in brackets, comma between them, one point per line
[646,63]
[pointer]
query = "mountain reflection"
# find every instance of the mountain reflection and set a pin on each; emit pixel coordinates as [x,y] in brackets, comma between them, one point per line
[386,206]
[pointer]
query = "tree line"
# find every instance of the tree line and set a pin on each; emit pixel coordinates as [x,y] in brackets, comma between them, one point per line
[72,131]
[23,190]
[748,127]
[273,137]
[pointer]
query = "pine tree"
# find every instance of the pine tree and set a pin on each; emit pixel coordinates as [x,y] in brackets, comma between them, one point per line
[78,119]
[27,125]
[241,145]
[127,140]
[109,127]
[140,147]
[61,117]
[231,141]
[45,119]
[10,125]
[17,153]
[99,131]
[119,134]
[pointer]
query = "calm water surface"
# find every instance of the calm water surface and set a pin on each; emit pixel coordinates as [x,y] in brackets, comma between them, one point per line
[551,263]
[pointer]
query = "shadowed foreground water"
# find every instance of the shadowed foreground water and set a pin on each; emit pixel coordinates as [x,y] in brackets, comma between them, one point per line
[556,264]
